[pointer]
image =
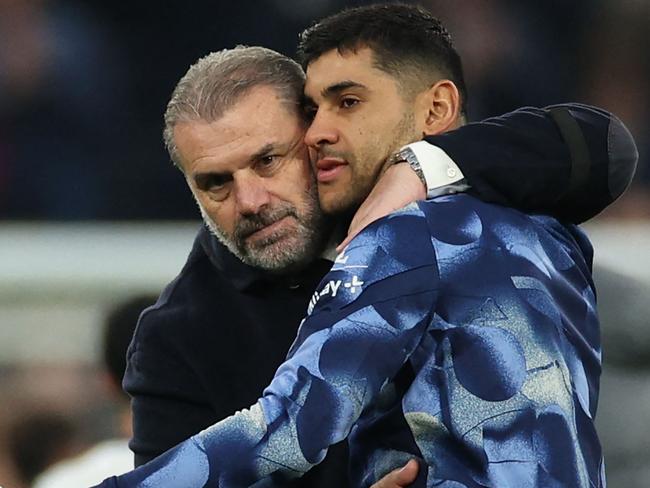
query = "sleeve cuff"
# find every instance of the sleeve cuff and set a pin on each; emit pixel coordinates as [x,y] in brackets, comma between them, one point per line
[441,173]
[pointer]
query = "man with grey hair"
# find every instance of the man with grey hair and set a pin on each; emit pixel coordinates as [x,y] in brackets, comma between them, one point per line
[219,331]
[212,87]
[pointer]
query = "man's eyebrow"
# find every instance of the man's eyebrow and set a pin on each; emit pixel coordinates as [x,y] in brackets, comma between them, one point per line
[336,88]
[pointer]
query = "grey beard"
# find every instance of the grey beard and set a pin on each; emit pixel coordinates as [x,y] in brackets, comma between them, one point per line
[218,233]
[310,233]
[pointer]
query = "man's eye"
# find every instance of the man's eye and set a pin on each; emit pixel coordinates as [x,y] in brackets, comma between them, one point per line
[212,183]
[310,112]
[216,184]
[267,162]
[349,102]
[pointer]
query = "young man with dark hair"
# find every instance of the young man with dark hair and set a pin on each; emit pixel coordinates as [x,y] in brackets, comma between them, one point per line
[408,43]
[502,385]
[426,312]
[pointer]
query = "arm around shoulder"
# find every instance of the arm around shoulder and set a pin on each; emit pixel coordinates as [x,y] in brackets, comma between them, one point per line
[569,160]
[168,404]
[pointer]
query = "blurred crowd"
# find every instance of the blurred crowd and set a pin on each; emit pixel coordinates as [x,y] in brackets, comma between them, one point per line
[67,425]
[83,85]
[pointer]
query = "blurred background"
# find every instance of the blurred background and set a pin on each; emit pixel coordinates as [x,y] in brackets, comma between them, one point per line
[93,215]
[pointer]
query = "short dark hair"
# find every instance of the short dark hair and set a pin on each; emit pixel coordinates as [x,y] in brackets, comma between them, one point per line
[39,439]
[119,327]
[408,43]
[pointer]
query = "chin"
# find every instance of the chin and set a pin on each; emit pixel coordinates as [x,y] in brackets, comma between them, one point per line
[282,256]
[332,206]
[337,203]
[329,197]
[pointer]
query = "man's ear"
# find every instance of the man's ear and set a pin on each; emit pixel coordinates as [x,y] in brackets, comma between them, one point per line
[442,108]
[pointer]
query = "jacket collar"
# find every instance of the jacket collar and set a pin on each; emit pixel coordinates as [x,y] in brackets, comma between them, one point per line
[239,274]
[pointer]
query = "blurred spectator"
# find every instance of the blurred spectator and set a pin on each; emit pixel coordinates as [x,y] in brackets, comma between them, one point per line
[539,53]
[39,440]
[60,96]
[110,456]
[515,53]
[616,76]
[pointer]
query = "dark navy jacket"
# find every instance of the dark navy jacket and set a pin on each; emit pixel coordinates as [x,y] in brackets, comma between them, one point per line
[220,329]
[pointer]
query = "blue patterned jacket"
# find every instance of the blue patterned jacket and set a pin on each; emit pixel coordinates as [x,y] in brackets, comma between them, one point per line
[461,333]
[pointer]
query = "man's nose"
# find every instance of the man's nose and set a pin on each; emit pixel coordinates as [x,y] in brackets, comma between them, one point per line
[321,131]
[251,194]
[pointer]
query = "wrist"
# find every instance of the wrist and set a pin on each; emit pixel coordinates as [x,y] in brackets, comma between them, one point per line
[438,173]
[407,182]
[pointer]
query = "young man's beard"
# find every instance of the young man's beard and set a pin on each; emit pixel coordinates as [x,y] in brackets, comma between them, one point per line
[367,164]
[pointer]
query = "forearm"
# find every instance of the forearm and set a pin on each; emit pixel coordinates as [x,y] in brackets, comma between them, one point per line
[312,403]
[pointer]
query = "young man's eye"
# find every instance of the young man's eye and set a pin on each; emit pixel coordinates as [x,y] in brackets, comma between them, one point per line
[349,102]
[310,112]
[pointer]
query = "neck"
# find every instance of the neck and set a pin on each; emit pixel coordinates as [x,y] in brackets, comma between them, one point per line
[336,237]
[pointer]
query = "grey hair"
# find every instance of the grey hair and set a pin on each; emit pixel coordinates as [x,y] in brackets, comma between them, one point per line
[216,82]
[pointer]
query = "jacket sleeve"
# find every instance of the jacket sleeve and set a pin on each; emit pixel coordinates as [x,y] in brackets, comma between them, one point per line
[366,318]
[164,390]
[570,161]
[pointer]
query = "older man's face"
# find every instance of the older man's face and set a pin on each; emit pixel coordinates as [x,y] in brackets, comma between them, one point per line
[249,171]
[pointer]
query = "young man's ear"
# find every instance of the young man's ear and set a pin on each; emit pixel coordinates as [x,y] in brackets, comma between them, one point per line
[442,108]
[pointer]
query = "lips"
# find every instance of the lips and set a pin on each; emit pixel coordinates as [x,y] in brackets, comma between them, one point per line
[328,169]
[266,231]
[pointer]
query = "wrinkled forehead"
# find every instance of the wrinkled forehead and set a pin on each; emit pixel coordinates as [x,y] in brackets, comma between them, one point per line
[237,138]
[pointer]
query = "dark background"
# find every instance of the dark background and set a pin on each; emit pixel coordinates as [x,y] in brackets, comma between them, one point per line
[83,85]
